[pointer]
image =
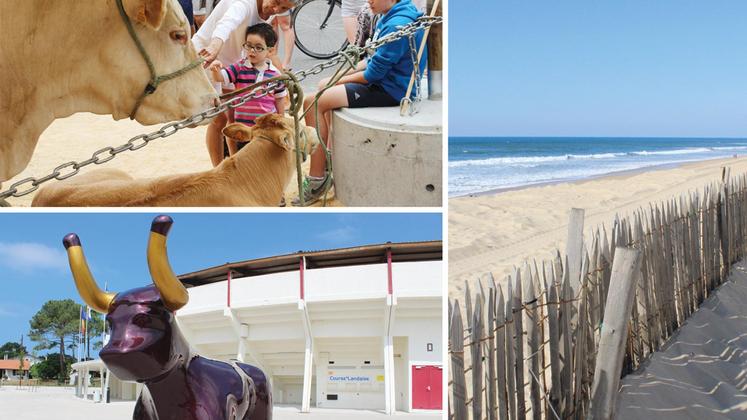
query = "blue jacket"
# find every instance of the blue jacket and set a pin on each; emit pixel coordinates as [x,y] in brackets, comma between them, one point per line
[391,66]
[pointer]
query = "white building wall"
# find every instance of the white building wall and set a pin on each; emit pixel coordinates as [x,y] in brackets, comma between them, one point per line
[356,282]
[420,278]
[353,383]
[349,335]
[421,332]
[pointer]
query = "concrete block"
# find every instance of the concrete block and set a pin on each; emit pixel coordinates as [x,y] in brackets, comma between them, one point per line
[382,159]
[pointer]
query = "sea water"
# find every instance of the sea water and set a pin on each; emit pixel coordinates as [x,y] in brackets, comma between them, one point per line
[479,164]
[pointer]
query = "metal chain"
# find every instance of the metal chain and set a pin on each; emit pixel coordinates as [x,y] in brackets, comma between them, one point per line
[103,155]
[413,106]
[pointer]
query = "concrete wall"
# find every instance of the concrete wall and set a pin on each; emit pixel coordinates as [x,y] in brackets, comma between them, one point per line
[354,383]
[347,308]
[382,159]
[422,278]
[362,281]
[355,282]
[420,332]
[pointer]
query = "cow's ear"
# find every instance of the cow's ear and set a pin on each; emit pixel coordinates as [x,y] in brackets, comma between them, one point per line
[238,131]
[284,141]
[150,13]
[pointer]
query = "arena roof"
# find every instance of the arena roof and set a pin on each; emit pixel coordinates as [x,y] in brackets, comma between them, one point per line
[341,257]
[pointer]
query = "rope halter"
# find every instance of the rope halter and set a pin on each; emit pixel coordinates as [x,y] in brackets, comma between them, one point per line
[155,80]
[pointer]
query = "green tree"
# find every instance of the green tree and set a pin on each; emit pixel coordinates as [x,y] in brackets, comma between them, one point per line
[49,367]
[55,322]
[95,330]
[12,349]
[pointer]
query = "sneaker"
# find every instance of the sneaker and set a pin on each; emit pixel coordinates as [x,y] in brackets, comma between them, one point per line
[312,194]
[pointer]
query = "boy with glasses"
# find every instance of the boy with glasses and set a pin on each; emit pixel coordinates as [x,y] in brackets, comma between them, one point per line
[221,37]
[259,42]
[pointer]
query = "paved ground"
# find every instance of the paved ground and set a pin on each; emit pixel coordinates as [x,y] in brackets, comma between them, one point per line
[60,404]
[300,61]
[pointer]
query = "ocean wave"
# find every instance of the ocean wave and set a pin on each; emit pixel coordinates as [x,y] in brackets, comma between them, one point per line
[685,151]
[519,160]
[530,159]
[730,148]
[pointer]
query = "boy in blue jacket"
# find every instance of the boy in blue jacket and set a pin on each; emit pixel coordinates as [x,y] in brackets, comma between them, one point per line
[379,81]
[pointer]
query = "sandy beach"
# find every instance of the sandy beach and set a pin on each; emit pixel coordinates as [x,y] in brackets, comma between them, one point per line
[80,135]
[700,373]
[495,232]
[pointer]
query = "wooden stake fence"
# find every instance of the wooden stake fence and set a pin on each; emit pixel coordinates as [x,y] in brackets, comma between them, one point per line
[532,351]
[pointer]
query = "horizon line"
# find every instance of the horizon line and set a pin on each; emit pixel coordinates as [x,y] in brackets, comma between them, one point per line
[597,136]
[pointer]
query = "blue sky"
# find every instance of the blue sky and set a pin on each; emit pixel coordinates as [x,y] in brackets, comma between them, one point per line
[598,68]
[34,265]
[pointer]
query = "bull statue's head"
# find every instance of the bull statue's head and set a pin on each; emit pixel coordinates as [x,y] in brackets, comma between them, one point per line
[146,345]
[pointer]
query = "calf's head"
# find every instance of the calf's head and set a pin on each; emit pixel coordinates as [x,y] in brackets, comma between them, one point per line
[277,129]
[145,343]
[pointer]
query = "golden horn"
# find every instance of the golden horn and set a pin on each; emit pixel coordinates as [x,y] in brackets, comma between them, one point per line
[173,293]
[87,288]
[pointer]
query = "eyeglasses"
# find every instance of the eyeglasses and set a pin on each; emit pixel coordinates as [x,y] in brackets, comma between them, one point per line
[254,48]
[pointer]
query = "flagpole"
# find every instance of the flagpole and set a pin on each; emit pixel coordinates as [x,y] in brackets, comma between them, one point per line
[88,318]
[80,332]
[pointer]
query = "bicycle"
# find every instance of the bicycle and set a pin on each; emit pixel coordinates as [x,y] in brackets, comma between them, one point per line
[319,29]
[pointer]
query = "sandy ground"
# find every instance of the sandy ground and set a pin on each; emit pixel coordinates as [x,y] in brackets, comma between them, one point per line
[702,372]
[494,232]
[79,136]
[60,404]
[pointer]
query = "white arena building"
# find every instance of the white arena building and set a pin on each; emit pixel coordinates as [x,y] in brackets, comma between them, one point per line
[353,328]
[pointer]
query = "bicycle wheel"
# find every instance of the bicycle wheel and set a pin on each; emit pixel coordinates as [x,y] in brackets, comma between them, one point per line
[319,29]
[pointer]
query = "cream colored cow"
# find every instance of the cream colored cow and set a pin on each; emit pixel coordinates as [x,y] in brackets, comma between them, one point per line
[59,57]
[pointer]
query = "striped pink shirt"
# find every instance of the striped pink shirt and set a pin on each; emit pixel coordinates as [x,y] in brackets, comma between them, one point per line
[243,74]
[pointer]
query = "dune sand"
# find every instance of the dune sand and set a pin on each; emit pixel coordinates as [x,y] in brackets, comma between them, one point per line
[79,136]
[494,232]
[702,372]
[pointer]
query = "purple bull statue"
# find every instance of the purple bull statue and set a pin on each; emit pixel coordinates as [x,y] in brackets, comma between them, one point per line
[146,346]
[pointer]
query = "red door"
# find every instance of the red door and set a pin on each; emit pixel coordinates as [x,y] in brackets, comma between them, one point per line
[426,387]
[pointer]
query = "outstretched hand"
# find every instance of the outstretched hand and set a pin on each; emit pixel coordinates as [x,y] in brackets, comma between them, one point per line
[215,68]
[210,52]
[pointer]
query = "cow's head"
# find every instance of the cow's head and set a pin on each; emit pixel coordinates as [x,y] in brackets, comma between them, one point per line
[123,74]
[276,128]
[145,342]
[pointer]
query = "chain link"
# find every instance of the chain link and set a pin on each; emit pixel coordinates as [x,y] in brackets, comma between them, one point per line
[19,188]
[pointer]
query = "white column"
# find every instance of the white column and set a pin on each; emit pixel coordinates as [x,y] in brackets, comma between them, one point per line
[79,387]
[308,359]
[389,378]
[307,365]
[243,335]
[106,386]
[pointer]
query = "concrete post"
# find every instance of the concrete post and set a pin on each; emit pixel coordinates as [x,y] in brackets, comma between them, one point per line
[308,360]
[243,335]
[307,365]
[389,378]
[389,389]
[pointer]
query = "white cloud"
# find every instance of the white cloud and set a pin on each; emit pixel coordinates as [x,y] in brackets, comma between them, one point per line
[11,310]
[28,256]
[339,235]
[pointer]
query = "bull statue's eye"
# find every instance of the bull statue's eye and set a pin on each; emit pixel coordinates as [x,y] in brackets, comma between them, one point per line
[141,320]
[179,36]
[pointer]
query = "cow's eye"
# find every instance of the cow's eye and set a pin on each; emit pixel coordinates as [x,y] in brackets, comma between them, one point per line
[179,36]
